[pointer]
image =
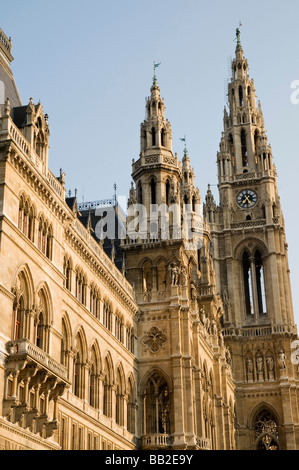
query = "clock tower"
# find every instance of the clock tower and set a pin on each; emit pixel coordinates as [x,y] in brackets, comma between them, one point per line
[252,272]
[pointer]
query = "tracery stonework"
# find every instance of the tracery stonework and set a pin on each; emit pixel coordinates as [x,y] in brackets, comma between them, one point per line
[154,340]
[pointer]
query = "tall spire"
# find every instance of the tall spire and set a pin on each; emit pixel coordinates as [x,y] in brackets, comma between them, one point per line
[243,122]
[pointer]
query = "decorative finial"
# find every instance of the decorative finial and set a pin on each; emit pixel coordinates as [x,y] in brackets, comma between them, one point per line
[238,34]
[185,148]
[115,196]
[155,78]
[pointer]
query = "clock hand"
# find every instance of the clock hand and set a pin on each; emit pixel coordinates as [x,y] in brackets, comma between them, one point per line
[247,199]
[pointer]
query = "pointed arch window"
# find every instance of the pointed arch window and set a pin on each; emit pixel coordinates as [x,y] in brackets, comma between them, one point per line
[254,284]
[153,133]
[163,137]
[167,189]
[20,307]
[19,319]
[260,284]
[266,431]
[157,406]
[131,410]
[244,148]
[119,400]
[256,141]
[153,191]
[140,193]
[247,284]
[241,95]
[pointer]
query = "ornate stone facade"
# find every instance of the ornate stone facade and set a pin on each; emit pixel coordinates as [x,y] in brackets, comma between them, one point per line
[173,350]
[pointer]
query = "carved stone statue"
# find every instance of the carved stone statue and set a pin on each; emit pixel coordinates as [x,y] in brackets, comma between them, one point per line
[249,364]
[270,363]
[214,328]
[174,274]
[184,276]
[132,197]
[225,298]
[228,356]
[282,360]
[259,364]
[202,315]
[193,292]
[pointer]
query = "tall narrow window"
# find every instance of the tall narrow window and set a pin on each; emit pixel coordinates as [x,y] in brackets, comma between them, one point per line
[153,191]
[167,191]
[256,141]
[247,284]
[139,193]
[77,375]
[157,406]
[39,331]
[163,137]
[241,95]
[18,322]
[153,136]
[260,285]
[244,148]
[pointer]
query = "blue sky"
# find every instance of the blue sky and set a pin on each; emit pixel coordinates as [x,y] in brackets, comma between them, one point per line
[91,66]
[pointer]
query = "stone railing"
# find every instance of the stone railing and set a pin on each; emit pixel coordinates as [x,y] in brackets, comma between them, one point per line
[19,139]
[249,224]
[55,184]
[203,443]
[205,291]
[258,331]
[156,441]
[5,41]
[20,348]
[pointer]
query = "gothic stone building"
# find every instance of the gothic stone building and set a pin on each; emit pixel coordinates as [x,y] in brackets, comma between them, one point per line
[147,341]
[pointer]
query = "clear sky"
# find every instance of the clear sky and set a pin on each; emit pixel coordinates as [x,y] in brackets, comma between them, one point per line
[91,65]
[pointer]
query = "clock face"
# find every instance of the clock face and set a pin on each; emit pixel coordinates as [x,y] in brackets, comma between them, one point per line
[247,198]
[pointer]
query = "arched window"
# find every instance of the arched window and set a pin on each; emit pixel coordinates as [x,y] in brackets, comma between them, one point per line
[20,307]
[153,136]
[161,268]
[193,203]
[244,148]
[131,409]
[167,189]
[157,406]
[119,411]
[247,284]
[67,273]
[49,241]
[241,95]
[147,277]
[94,301]
[42,322]
[254,284]
[107,315]
[163,137]
[19,319]
[139,192]
[266,431]
[78,387]
[231,148]
[153,191]
[260,284]
[93,380]
[63,350]
[107,389]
